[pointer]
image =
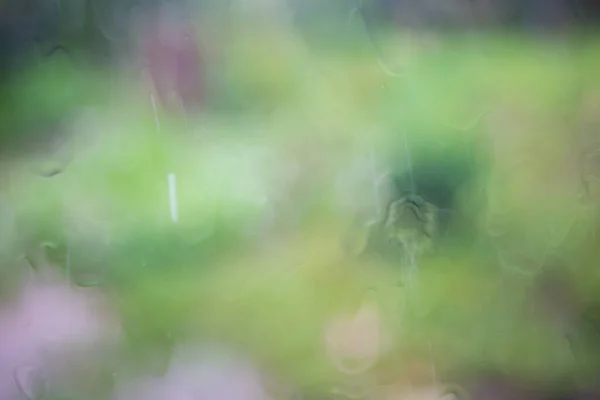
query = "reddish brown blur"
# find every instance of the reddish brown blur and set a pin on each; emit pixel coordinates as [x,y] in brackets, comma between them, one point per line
[172,55]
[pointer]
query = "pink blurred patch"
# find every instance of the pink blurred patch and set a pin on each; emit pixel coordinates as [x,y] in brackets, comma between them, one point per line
[199,374]
[47,317]
[355,342]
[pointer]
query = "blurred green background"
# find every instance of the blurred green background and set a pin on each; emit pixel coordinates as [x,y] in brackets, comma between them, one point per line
[495,125]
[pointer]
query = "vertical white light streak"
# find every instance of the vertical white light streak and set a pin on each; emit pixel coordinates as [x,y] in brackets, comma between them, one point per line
[172,179]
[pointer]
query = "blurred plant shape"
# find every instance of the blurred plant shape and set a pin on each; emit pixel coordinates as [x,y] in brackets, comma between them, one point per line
[87,256]
[57,159]
[111,17]
[588,146]
[411,224]
[267,77]
[590,172]
[556,299]
[39,104]
[8,233]
[562,304]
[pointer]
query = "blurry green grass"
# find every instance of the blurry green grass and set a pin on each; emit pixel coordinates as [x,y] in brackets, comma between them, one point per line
[201,277]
